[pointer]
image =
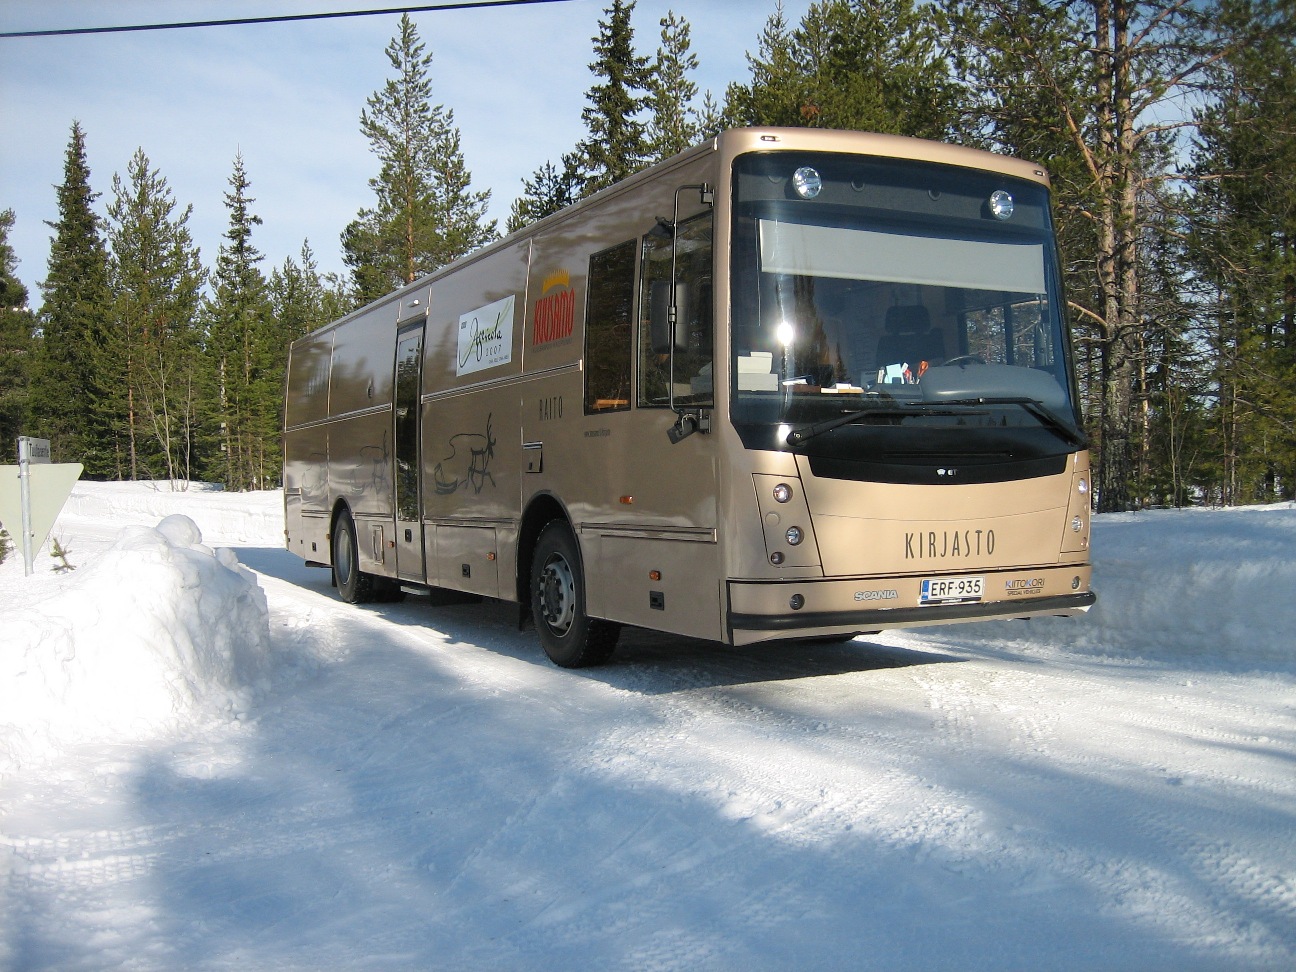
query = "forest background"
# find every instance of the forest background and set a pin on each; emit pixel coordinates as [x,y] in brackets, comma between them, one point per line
[1169,129]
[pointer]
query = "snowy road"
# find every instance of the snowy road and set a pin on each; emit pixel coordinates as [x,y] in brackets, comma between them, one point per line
[418,788]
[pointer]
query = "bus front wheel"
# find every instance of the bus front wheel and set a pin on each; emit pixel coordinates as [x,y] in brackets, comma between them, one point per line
[570,637]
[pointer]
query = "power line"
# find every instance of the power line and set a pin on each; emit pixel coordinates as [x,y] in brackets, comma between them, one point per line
[281,19]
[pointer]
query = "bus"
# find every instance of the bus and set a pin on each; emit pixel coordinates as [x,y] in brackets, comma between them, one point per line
[788,385]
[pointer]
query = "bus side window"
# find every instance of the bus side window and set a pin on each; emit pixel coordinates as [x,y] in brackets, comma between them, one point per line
[608,315]
[693,277]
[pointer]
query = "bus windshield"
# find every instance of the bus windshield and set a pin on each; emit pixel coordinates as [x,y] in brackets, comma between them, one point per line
[896,295]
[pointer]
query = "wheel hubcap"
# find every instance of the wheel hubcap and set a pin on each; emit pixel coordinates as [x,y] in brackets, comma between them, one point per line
[557,595]
[342,562]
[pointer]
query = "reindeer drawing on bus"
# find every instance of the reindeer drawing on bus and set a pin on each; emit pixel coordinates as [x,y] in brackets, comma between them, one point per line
[468,464]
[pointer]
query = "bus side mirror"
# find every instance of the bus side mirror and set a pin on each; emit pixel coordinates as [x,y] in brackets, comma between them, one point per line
[660,324]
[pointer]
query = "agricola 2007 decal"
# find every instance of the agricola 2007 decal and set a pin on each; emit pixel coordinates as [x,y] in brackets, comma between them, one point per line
[486,337]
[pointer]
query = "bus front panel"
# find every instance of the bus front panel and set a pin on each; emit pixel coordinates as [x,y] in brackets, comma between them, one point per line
[900,382]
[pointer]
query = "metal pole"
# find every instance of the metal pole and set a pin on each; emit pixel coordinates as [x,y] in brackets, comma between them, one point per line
[24,493]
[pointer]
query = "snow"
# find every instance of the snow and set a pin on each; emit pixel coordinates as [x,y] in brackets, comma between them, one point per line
[207,761]
[157,627]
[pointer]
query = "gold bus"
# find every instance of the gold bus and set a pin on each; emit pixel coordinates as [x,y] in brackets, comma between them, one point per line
[790,384]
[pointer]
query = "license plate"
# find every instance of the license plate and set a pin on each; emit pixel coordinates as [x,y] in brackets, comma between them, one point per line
[946,590]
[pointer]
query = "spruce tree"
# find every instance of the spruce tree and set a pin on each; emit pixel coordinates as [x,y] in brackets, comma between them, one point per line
[302,300]
[243,385]
[773,69]
[616,145]
[674,125]
[16,324]
[710,117]
[154,339]
[425,213]
[66,378]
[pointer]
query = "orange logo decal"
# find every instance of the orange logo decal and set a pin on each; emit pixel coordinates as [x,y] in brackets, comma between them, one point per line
[555,313]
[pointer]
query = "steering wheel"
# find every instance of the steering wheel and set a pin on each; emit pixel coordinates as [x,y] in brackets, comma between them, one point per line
[963,359]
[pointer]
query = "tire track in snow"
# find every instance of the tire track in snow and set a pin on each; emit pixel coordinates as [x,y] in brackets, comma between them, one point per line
[1225,894]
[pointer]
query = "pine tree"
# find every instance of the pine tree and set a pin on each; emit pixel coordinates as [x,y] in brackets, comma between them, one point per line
[244,386]
[460,212]
[616,145]
[1244,247]
[674,124]
[154,339]
[16,323]
[426,213]
[544,194]
[1091,78]
[65,379]
[867,65]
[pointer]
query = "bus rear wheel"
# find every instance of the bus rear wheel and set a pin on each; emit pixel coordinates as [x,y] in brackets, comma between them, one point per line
[569,636]
[354,586]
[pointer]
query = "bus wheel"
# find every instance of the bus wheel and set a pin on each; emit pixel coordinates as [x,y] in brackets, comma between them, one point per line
[570,637]
[354,586]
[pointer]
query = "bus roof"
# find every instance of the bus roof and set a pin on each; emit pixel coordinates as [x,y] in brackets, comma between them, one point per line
[731,144]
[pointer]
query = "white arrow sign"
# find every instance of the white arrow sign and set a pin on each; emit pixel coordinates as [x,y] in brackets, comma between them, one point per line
[51,484]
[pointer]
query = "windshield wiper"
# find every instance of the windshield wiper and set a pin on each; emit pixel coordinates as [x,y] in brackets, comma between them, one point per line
[798,436]
[1047,417]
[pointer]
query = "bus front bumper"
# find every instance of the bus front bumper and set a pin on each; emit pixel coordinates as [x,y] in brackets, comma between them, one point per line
[778,610]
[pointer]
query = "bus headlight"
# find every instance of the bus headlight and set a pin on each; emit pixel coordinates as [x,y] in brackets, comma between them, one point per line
[794,536]
[1077,524]
[782,493]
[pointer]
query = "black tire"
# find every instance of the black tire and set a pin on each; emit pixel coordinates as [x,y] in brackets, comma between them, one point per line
[354,586]
[569,636]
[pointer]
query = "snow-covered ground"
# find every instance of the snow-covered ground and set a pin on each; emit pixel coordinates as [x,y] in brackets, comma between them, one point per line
[212,763]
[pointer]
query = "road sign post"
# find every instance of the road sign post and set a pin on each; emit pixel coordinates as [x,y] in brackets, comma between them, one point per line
[29,450]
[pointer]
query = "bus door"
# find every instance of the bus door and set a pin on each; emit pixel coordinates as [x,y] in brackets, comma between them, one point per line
[409,520]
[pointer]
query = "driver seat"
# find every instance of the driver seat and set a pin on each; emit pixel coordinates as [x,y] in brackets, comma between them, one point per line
[909,338]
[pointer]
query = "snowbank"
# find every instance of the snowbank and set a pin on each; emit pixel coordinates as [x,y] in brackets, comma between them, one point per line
[255,517]
[1196,588]
[1206,585]
[157,630]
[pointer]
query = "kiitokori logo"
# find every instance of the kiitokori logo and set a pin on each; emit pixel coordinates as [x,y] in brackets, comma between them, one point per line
[555,312]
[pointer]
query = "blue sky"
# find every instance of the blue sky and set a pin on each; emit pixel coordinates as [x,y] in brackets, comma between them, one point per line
[289,96]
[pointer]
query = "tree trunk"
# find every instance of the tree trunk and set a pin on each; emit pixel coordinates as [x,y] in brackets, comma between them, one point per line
[1117,256]
[130,426]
